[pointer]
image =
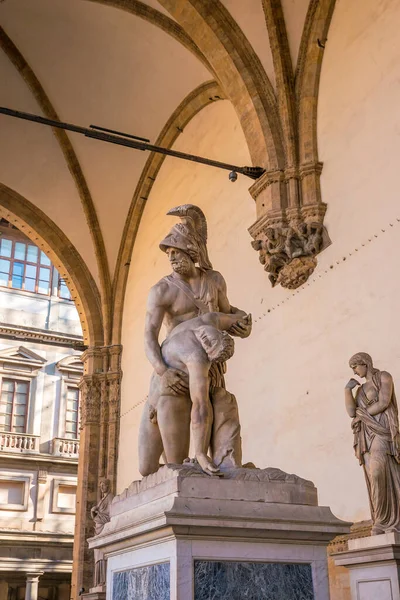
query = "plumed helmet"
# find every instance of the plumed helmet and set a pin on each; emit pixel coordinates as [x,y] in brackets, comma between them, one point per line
[190,235]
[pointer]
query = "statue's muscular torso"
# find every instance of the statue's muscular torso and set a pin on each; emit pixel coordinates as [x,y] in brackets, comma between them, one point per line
[178,306]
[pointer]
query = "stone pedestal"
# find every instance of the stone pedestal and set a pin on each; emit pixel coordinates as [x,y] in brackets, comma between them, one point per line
[181,535]
[374,564]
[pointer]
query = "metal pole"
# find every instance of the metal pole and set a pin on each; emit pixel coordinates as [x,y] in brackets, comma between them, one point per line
[124,139]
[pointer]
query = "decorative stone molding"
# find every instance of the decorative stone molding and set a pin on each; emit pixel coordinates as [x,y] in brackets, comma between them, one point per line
[42,476]
[21,360]
[114,396]
[288,239]
[90,387]
[71,365]
[25,334]
[296,231]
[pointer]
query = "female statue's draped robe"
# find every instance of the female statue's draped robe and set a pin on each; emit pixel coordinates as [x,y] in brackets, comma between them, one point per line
[376,445]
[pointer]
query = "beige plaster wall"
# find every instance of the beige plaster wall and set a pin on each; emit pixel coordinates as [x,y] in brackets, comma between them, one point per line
[289,375]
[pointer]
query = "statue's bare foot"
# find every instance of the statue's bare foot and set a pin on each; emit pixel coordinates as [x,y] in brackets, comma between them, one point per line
[207,464]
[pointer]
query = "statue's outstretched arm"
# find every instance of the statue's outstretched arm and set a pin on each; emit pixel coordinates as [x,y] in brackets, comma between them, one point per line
[226,321]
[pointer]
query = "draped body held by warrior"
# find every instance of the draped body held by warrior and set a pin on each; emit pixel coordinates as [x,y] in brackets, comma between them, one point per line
[193,289]
[375,426]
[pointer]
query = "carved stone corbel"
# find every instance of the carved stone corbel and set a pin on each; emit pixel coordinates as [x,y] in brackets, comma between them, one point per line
[289,239]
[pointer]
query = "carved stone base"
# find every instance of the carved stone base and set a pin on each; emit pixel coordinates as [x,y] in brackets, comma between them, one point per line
[180,530]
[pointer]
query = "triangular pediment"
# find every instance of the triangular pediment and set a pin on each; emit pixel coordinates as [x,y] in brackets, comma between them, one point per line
[19,355]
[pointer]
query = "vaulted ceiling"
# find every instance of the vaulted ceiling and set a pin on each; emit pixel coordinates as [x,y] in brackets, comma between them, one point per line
[127,65]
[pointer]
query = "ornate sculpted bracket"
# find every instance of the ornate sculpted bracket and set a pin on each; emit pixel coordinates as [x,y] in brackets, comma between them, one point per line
[289,239]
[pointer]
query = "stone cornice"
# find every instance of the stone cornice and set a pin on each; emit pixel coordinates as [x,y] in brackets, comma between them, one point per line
[269,177]
[8,536]
[41,336]
[45,461]
[310,168]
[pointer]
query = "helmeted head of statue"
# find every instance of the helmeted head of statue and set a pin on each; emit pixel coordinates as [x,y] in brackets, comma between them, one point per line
[189,236]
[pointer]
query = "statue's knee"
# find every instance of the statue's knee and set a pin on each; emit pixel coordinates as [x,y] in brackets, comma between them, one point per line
[148,464]
[146,468]
[375,471]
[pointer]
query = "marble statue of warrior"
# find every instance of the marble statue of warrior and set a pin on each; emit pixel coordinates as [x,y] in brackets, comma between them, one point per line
[101,515]
[191,290]
[375,424]
[192,347]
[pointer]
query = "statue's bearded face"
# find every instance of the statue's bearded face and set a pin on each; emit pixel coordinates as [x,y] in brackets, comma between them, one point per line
[180,261]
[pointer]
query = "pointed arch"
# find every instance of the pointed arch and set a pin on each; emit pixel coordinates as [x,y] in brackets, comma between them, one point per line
[71,159]
[239,72]
[45,234]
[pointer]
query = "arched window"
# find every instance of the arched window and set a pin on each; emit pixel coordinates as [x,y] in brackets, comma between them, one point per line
[24,267]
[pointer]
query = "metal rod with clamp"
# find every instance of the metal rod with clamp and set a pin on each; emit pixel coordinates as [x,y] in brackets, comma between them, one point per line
[131,141]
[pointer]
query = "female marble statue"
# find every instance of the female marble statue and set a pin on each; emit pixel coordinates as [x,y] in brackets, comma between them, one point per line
[376,440]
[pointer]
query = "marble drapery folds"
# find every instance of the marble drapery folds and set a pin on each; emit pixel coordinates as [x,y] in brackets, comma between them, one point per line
[377,442]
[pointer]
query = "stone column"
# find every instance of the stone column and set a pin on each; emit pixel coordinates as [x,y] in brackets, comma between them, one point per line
[3,590]
[100,399]
[32,586]
[86,497]
[114,376]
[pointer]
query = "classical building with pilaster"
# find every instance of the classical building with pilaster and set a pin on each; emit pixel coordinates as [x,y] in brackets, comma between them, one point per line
[40,371]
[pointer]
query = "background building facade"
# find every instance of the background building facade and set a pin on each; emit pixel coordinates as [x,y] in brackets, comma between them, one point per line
[40,369]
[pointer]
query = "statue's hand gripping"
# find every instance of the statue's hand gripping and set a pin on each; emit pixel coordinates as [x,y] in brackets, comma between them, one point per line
[175,381]
[242,328]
